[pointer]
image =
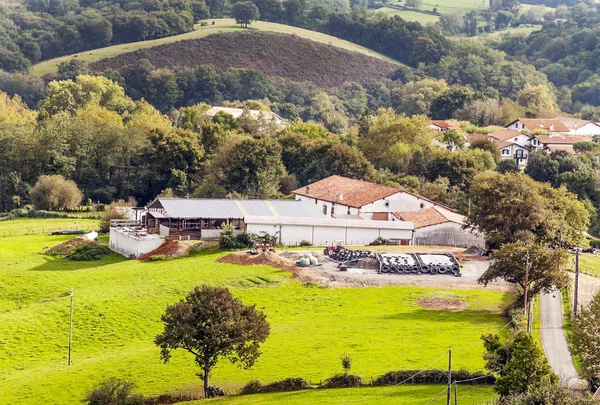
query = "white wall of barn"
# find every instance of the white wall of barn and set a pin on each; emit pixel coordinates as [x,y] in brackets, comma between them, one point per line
[131,246]
[326,235]
[447,234]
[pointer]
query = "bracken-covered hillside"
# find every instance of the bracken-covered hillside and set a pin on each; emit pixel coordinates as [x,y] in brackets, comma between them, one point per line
[287,56]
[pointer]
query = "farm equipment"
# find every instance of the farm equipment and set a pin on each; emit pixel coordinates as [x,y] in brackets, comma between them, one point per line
[337,247]
[265,247]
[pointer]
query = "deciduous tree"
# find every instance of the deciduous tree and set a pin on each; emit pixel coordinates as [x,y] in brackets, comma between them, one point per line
[210,324]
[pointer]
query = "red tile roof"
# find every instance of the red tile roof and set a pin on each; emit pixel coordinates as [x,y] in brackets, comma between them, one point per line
[563,140]
[554,148]
[355,193]
[573,123]
[429,216]
[441,124]
[505,134]
[544,124]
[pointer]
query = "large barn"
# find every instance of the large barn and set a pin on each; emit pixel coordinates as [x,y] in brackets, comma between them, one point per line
[292,220]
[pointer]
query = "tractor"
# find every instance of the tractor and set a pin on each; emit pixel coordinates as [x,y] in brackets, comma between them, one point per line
[336,247]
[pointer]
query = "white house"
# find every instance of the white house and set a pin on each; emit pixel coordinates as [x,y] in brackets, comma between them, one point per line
[441,126]
[512,150]
[267,116]
[562,142]
[344,198]
[580,127]
[551,125]
[340,196]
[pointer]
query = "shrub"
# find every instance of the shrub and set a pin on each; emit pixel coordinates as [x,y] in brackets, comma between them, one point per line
[343,381]
[431,377]
[253,387]
[378,242]
[55,193]
[114,392]
[289,384]
[89,252]
[245,239]
[30,212]
[595,244]
[111,211]
[213,391]
[305,243]
[346,360]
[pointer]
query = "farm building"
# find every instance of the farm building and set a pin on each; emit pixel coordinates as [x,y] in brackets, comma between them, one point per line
[340,197]
[263,116]
[441,227]
[292,221]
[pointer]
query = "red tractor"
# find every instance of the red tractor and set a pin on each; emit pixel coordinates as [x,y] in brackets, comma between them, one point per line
[338,246]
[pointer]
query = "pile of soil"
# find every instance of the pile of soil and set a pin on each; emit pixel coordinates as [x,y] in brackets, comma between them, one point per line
[68,247]
[263,258]
[170,249]
[442,304]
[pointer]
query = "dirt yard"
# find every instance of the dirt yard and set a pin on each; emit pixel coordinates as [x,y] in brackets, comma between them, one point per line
[329,275]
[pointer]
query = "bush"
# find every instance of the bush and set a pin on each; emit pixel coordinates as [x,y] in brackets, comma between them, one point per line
[343,381]
[380,241]
[157,258]
[55,193]
[29,212]
[214,391]
[305,243]
[289,384]
[431,377]
[114,392]
[89,252]
[110,212]
[245,239]
[595,244]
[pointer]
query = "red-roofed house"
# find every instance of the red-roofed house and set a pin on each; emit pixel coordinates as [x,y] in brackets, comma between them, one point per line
[441,125]
[345,198]
[552,125]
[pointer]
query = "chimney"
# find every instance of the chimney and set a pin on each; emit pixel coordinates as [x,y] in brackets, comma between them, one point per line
[341,197]
[551,127]
[307,189]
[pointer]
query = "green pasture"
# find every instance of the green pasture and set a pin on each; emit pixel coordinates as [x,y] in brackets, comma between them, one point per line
[220,26]
[410,15]
[118,304]
[588,264]
[449,6]
[404,395]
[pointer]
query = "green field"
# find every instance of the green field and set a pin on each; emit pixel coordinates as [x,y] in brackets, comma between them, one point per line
[404,395]
[588,263]
[449,6]
[118,304]
[410,15]
[221,25]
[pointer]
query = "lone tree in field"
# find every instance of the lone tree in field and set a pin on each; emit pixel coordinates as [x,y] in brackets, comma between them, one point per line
[244,13]
[55,193]
[210,323]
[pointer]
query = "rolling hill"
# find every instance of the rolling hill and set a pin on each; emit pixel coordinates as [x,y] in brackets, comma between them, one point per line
[219,26]
[281,55]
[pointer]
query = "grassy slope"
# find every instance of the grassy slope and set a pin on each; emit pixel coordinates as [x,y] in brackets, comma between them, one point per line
[118,304]
[404,395]
[448,6]
[410,15]
[588,263]
[221,25]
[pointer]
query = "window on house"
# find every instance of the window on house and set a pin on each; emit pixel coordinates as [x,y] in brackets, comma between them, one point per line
[332,210]
[348,211]
[422,205]
[324,210]
[387,203]
[516,139]
[315,201]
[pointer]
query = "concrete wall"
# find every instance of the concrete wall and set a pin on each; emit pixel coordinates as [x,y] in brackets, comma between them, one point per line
[338,208]
[131,246]
[448,234]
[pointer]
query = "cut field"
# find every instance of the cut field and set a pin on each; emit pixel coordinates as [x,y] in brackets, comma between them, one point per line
[118,304]
[220,26]
[449,6]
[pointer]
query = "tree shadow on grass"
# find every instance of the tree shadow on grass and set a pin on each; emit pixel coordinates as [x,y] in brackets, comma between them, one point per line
[437,316]
[54,263]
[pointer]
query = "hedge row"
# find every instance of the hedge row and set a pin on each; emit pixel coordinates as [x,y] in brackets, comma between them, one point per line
[432,377]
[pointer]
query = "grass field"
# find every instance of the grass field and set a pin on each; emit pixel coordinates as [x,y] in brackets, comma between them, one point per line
[221,25]
[404,395]
[588,263]
[117,311]
[448,6]
[410,15]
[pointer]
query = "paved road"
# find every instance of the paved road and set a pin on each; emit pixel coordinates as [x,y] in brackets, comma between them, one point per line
[554,341]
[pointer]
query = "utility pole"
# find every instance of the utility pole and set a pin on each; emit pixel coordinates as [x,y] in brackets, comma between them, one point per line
[576,293]
[449,377]
[526,302]
[70,327]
